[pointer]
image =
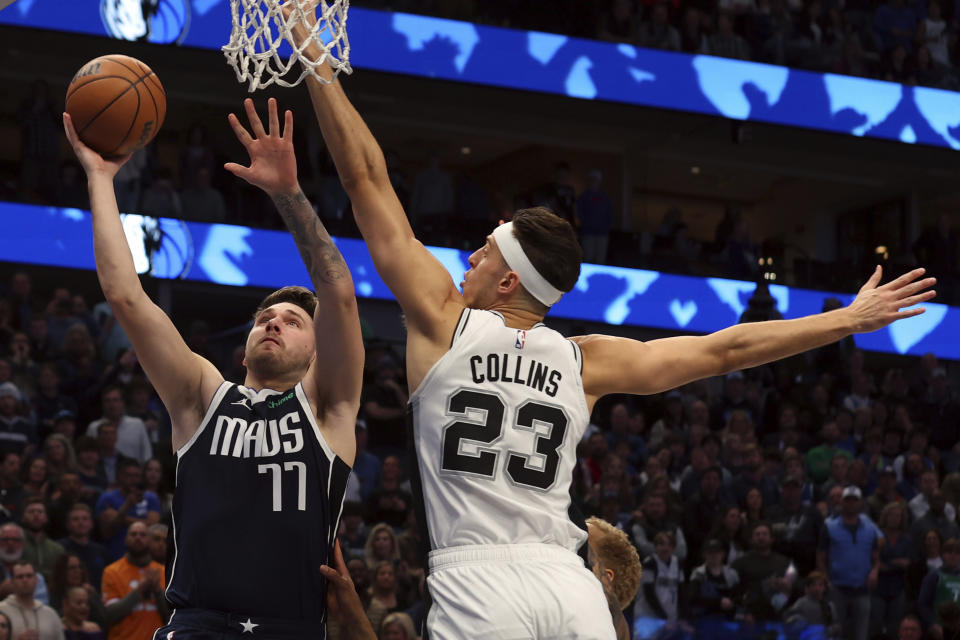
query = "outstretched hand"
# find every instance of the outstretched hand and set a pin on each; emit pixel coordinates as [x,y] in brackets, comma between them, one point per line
[273,165]
[92,162]
[343,603]
[878,306]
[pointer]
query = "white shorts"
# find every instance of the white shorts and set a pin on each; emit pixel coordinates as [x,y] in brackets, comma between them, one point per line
[515,592]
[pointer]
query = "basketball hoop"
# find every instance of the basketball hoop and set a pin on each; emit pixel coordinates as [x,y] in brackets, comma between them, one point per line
[260,29]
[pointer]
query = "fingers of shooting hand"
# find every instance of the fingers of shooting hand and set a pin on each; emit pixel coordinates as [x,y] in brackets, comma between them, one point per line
[872,281]
[914,287]
[238,129]
[238,170]
[256,126]
[917,299]
[288,125]
[68,128]
[272,117]
[906,278]
[909,313]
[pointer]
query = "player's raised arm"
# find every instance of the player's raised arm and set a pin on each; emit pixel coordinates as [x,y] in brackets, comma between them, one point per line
[422,285]
[185,381]
[273,168]
[621,365]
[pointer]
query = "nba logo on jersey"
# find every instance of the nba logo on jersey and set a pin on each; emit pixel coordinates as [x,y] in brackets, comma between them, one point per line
[521,339]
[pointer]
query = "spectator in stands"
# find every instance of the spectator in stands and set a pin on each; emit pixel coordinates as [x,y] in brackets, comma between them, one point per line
[730,530]
[391,500]
[910,629]
[558,195]
[886,493]
[196,156]
[896,24]
[41,346]
[153,480]
[39,550]
[839,466]
[353,531]
[849,555]
[59,455]
[888,600]
[157,542]
[397,626]
[366,465]
[49,403]
[712,592]
[90,467]
[42,620]
[38,124]
[920,504]
[820,458]
[813,608]
[126,505]
[661,581]
[132,439]
[94,555]
[11,551]
[725,42]
[36,480]
[752,476]
[70,573]
[658,33]
[67,492]
[595,217]
[939,586]
[384,405]
[160,199]
[11,491]
[795,526]
[134,580]
[76,611]
[129,182]
[704,508]
[619,22]
[767,576]
[200,201]
[381,546]
[16,432]
[935,518]
[385,597]
[653,519]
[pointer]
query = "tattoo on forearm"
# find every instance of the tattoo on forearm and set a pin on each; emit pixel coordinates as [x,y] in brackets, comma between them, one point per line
[319,254]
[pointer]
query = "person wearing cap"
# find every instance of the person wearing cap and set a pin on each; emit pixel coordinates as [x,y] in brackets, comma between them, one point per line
[796,526]
[16,432]
[714,587]
[886,493]
[938,587]
[849,555]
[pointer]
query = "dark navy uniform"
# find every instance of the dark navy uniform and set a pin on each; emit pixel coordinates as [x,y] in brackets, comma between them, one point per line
[258,501]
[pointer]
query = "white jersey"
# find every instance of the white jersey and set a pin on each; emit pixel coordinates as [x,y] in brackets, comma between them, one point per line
[496,422]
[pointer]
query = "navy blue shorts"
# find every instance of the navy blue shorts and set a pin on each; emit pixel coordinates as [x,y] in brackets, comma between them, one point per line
[201,624]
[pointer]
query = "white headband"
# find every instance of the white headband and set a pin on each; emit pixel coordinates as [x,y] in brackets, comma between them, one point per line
[517,260]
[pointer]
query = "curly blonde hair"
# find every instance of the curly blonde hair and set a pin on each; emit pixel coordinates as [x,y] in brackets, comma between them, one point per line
[615,552]
[368,554]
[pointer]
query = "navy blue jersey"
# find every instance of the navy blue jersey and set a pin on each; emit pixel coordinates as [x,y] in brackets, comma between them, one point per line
[255,513]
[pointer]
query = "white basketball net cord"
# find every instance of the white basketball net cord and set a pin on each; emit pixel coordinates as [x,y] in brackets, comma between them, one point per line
[259,30]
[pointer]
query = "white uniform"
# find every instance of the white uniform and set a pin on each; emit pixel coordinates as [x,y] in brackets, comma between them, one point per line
[496,423]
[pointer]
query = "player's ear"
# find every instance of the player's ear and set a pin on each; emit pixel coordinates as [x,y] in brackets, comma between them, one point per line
[509,282]
[608,576]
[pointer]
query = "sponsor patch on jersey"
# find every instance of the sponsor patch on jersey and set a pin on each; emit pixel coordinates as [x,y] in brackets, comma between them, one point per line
[521,339]
[273,404]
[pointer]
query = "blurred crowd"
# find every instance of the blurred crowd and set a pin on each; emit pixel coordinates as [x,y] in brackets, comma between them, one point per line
[907,41]
[822,490]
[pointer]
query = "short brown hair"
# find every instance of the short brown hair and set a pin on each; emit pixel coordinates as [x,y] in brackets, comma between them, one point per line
[617,553]
[300,296]
[550,244]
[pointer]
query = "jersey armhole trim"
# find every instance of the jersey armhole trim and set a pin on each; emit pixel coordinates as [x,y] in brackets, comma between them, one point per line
[461,326]
[211,409]
[307,409]
[577,355]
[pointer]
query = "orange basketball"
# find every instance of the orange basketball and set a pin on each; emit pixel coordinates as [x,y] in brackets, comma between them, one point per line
[117,104]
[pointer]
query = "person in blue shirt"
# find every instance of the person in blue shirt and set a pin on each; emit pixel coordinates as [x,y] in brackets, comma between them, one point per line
[130,502]
[849,557]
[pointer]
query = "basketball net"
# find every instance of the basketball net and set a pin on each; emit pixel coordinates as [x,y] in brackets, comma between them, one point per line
[260,29]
